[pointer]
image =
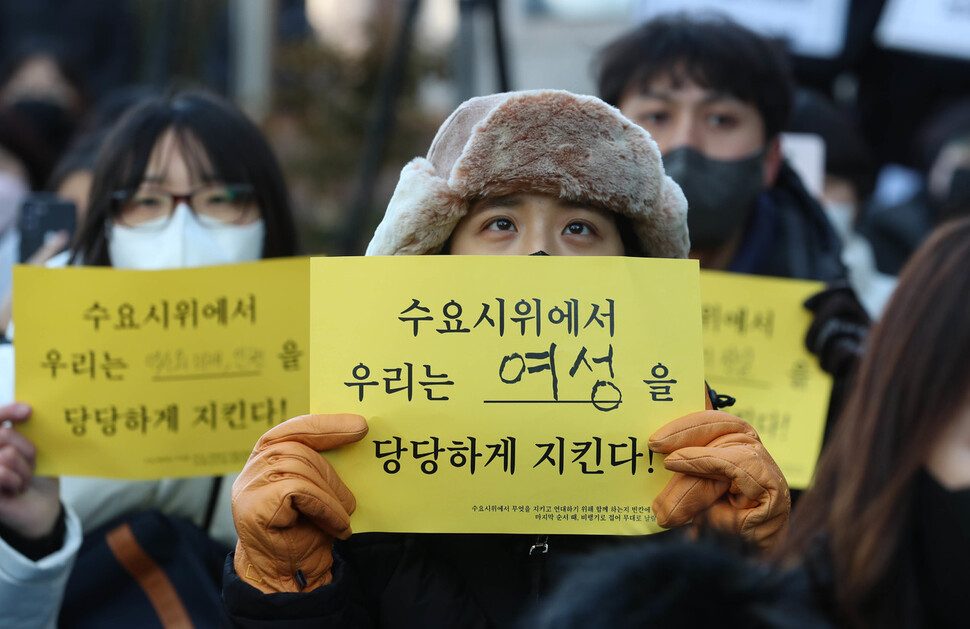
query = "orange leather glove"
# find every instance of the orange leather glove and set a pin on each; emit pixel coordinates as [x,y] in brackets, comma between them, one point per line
[289,504]
[723,477]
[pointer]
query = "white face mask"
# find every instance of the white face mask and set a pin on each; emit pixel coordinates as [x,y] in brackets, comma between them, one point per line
[186,240]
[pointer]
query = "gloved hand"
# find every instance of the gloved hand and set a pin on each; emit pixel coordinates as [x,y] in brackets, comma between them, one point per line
[289,504]
[839,328]
[723,478]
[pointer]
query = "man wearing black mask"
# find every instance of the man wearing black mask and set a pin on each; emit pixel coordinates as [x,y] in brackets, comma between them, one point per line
[715,96]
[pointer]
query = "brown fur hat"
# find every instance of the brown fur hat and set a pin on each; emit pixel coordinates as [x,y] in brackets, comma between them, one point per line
[545,141]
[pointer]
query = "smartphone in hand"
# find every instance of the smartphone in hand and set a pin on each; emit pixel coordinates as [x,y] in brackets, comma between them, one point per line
[42,215]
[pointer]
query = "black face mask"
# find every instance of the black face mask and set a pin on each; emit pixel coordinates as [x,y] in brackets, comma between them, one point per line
[942,548]
[720,193]
[540,252]
[51,121]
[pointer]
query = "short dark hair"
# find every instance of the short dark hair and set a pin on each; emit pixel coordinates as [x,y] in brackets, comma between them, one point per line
[81,155]
[710,50]
[235,151]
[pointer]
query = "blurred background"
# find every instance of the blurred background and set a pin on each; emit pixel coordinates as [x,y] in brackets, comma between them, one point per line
[347,92]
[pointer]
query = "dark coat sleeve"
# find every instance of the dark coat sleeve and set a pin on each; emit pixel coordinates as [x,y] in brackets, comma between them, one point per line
[380,580]
[329,606]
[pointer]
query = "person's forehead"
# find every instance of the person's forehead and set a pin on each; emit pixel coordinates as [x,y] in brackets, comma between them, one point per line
[535,198]
[680,88]
[177,155]
[541,204]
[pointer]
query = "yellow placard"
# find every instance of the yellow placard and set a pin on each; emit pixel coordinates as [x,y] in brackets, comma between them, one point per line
[148,374]
[505,394]
[754,351]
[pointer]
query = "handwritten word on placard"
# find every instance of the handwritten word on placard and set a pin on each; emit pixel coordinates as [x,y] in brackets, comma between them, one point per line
[147,374]
[505,394]
[754,350]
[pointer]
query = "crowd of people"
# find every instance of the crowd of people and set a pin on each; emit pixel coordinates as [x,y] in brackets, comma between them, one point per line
[678,156]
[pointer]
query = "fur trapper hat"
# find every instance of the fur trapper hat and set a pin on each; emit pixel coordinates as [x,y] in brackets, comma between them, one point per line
[545,141]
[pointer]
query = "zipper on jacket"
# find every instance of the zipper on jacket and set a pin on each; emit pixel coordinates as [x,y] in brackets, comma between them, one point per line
[537,556]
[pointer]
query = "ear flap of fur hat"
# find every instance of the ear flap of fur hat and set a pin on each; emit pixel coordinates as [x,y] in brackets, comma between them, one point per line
[421,215]
[545,141]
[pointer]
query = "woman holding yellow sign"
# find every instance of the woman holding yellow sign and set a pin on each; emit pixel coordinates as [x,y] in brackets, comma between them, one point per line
[547,173]
[182,181]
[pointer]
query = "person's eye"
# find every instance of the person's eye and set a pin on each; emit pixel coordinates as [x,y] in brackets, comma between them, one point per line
[722,121]
[579,228]
[147,201]
[500,224]
[216,198]
[655,117]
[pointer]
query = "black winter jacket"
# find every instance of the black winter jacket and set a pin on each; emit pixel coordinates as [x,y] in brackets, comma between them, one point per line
[789,235]
[419,580]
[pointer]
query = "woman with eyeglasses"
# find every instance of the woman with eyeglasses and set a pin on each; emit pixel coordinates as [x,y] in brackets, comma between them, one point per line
[182,181]
[186,181]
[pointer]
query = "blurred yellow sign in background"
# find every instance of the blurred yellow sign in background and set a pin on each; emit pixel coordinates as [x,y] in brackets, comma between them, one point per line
[147,374]
[754,351]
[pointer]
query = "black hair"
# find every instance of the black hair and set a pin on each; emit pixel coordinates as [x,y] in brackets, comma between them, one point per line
[710,50]
[846,153]
[219,143]
[650,583]
[81,155]
[632,245]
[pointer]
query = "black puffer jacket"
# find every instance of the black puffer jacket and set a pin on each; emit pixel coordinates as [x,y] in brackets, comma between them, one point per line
[409,580]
